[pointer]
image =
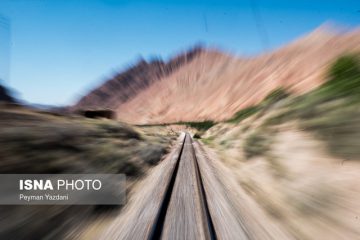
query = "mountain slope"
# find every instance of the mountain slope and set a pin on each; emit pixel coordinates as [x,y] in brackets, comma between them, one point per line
[5,95]
[214,85]
[126,85]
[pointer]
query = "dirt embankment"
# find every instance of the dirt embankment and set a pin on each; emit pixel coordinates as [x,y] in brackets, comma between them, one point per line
[299,160]
[38,142]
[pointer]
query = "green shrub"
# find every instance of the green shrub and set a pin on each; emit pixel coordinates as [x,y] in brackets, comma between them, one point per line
[276,95]
[343,78]
[332,110]
[243,114]
[256,144]
[346,67]
[205,125]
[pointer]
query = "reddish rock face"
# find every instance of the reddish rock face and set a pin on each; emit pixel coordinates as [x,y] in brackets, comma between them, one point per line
[126,85]
[207,84]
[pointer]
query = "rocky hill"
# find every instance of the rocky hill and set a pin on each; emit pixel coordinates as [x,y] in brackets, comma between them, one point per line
[209,84]
[5,96]
[126,85]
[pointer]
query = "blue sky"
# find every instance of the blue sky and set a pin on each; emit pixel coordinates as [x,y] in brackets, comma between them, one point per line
[62,48]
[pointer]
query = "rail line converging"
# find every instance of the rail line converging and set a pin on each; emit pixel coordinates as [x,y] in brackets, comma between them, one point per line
[184,210]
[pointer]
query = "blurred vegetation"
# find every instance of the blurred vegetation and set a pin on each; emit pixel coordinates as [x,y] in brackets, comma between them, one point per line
[201,126]
[243,114]
[272,98]
[275,96]
[332,111]
[344,78]
[33,142]
[37,143]
[256,144]
[208,140]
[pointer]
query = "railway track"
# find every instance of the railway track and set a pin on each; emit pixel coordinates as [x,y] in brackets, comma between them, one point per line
[184,212]
[184,197]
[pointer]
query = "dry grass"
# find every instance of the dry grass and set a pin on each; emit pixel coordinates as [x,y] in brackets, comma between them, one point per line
[33,142]
[304,164]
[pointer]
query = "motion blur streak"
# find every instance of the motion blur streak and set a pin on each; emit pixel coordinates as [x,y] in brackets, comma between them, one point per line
[274,151]
[208,84]
[33,141]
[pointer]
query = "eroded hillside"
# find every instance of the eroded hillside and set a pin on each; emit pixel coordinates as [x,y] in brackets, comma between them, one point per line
[214,85]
